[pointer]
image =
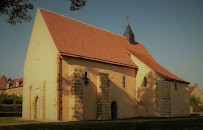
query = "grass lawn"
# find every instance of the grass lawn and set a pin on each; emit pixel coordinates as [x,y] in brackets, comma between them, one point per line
[137,123]
[4,120]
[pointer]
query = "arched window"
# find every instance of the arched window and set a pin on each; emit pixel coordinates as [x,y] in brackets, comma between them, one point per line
[37,108]
[145,82]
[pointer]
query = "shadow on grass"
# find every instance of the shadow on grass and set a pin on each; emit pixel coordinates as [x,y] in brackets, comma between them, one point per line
[189,123]
[4,120]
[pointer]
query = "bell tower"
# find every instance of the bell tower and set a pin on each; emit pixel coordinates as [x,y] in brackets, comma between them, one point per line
[129,34]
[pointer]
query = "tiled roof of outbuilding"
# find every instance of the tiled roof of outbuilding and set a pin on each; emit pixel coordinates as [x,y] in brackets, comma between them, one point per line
[77,39]
[2,78]
[191,88]
[13,83]
[4,82]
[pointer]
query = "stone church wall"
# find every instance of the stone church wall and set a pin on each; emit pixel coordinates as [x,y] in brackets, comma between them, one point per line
[180,105]
[103,104]
[159,98]
[76,92]
[163,98]
[173,99]
[105,85]
[146,95]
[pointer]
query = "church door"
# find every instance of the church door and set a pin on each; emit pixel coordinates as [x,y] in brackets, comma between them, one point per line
[37,108]
[113,110]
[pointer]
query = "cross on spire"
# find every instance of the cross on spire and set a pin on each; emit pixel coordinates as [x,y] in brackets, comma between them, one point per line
[127,19]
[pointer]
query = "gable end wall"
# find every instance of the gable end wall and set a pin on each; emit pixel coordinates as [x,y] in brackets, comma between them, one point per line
[40,73]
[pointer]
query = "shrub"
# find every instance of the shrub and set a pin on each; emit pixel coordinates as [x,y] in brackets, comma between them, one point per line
[10,99]
[195,103]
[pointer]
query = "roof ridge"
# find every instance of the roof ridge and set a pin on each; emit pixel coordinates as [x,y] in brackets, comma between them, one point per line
[83,23]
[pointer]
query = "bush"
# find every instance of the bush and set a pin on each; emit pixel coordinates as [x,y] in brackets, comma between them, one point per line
[10,99]
[11,114]
[195,103]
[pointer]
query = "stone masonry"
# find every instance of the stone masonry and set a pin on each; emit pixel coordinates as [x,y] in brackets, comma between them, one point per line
[103,108]
[76,91]
[164,99]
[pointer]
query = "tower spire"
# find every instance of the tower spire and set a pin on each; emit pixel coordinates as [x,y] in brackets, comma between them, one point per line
[129,34]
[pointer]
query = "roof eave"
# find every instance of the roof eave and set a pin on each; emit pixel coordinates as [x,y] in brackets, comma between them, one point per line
[98,60]
[171,79]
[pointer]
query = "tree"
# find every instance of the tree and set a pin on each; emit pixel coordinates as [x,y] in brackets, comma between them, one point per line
[77,4]
[195,102]
[17,10]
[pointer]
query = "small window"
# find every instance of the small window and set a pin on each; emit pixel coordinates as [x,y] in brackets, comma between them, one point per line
[176,88]
[8,85]
[124,81]
[86,79]
[17,83]
[108,80]
[145,82]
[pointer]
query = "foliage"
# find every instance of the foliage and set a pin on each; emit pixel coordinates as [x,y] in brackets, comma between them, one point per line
[77,4]
[17,10]
[195,102]
[10,99]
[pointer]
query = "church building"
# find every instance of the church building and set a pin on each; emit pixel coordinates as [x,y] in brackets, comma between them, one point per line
[74,71]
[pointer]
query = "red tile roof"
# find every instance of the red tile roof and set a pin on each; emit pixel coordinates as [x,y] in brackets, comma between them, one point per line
[142,54]
[2,79]
[76,39]
[11,82]
[191,88]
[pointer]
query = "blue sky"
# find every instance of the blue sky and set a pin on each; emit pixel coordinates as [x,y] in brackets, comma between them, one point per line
[172,31]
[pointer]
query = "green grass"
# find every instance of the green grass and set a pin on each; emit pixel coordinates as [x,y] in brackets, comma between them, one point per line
[4,120]
[187,124]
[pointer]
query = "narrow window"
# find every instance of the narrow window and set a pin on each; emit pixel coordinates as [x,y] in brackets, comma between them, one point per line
[124,81]
[145,82]
[86,79]
[17,83]
[8,85]
[176,88]
[108,80]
